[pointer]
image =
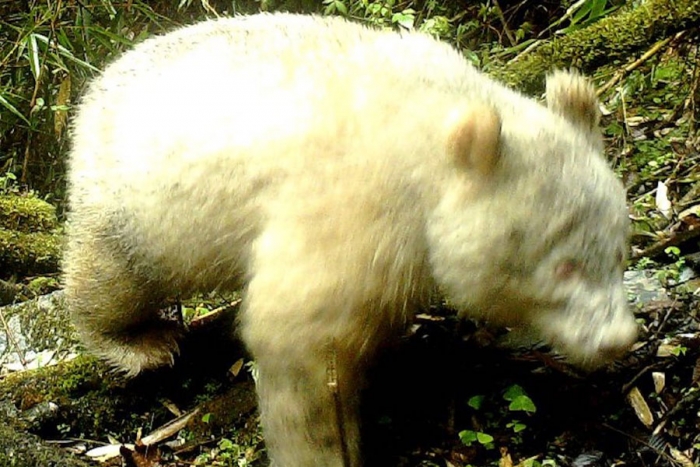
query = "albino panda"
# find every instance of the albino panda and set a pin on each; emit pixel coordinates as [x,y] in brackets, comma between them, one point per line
[339,174]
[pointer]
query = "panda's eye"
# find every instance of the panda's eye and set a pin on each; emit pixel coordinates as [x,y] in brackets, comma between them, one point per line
[567,269]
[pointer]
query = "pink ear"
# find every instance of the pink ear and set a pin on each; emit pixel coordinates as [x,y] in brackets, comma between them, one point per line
[474,139]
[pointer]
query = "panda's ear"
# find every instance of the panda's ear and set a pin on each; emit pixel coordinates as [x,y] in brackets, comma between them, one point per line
[474,138]
[572,96]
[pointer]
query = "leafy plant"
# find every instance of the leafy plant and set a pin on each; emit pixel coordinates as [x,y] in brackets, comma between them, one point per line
[516,400]
[590,12]
[519,401]
[468,437]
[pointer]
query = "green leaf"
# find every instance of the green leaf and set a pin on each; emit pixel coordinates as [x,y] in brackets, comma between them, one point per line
[522,403]
[467,437]
[340,6]
[679,350]
[33,56]
[110,8]
[404,19]
[484,438]
[673,251]
[206,417]
[65,53]
[5,103]
[513,392]
[516,426]
[475,402]
[226,444]
[116,38]
[582,12]
[598,8]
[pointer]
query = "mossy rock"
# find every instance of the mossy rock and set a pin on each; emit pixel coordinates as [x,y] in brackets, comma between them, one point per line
[29,253]
[616,37]
[26,213]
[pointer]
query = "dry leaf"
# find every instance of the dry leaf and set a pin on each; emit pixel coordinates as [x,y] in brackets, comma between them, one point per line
[659,379]
[640,406]
[666,350]
[681,458]
[169,429]
[505,460]
[172,407]
[60,118]
[105,453]
[236,367]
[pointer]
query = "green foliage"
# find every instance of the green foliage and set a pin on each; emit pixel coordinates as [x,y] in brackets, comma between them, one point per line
[42,285]
[590,12]
[438,26]
[382,13]
[615,37]
[670,273]
[8,182]
[469,437]
[644,263]
[229,452]
[674,252]
[679,350]
[519,401]
[48,50]
[516,426]
[533,462]
[225,453]
[476,402]
[30,238]
[495,416]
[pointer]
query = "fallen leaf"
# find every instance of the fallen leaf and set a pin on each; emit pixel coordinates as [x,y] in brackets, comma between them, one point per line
[640,406]
[659,379]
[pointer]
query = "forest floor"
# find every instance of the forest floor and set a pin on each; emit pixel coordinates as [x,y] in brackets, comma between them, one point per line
[449,394]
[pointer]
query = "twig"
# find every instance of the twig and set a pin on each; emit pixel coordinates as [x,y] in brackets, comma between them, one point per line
[628,386]
[11,338]
[634,65]
[539,41]
[169,429]
[507,30]
[569,13]
[675,240]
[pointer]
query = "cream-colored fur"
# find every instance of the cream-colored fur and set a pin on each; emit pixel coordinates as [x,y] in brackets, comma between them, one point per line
[339,174]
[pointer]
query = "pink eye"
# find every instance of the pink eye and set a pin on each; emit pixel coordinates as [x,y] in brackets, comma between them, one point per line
[567,269]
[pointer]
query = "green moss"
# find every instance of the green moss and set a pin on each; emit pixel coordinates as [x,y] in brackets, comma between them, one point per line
[29,253]
[92,401]
[25,450]
[617,37]
[56,382]
[26,213]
